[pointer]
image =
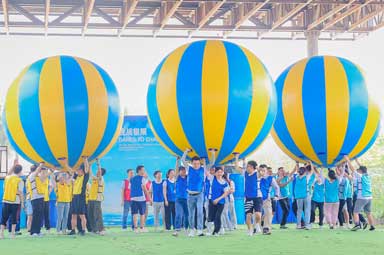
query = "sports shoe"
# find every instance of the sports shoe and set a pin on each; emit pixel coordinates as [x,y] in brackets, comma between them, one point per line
[82,233]
[222,231]
[266,231]
[365,225]
[356,227]
[73,232]
[250,233]
[191,233]
[175,234]
[200,233]
[372,228]
[144,230]
[283,227]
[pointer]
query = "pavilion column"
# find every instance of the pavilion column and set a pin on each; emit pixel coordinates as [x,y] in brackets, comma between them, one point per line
[312,43]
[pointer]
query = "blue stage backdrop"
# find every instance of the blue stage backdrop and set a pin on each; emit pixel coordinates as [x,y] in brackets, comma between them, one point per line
[136,146]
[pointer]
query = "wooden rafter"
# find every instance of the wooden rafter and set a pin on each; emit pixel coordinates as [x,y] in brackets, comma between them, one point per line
[169,12]
[46,19]
[88,8]
[250,13]
[329,14]
[344,15]
[129,9]
[209,14]
[6,16]
[365,18]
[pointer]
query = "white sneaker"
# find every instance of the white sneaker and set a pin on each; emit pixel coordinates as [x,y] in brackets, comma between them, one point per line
[250,233]
[191,233]
[222,231]
[208,233]
[144,230]
[258,229]
[200,233]
[136,231]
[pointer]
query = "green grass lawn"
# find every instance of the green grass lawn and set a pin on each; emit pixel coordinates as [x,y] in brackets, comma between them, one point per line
[292,241]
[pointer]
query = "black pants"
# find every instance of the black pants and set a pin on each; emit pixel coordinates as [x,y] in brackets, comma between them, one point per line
[37,216]
[341,215]
[350,209]
[314,206]
[9,211]
[47,222]
[170,214]
[284,204]
[17,221]
[214,215]
[361,217]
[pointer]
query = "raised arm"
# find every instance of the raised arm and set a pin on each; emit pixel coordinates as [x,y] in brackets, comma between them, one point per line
[295,169]
[350,165]
[237,167]
[86,165]
[212,160]
[184,158]
[276,187]
[177,166]
[64,164]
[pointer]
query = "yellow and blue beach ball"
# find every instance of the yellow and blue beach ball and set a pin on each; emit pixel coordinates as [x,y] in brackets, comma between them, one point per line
[211,95]
[62,107]
[324,111]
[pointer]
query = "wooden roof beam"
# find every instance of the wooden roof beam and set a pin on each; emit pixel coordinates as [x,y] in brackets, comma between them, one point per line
[169,11]
[366,18]
[88,8]
[329,14]
[207,15]
[46,19]
[129,9]
[6,16]
[344,15]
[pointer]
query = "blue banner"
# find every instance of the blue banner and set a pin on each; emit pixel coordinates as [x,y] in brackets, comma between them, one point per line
[135,146]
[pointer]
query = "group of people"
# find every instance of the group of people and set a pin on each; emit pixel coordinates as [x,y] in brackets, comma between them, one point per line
[195,196]
[79,194]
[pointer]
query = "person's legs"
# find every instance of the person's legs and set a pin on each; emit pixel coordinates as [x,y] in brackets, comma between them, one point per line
[47,222]
[284,204]
[335,212]
[225,222]
[91,215]
[232,214]
[37,217]
[200,212]
[267,208]
[13,209]
[5,214]
[314,205]
[99,224]
[321,213]
[299,213]
[328,212]
[350,209]
[179,215]
[185,213]
[173,213]
[191,201]
[142,212]
[83,222]
[60,217]
[156,212]
[307,211]
[340,214]
[64,223]
[167,210]
[217,217]
[126,208]
[74,221]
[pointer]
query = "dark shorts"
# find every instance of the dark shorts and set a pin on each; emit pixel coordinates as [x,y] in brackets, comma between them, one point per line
[9,211]
[78,205]
[138,207]
[253,205]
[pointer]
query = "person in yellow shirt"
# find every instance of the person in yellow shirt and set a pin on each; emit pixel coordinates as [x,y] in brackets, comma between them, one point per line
[63,198]
[48,187]
[38,180]
[96,196]
[80,180]
[12,198]
[28,204]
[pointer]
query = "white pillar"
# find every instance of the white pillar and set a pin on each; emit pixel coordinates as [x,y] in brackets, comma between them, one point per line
[312,43]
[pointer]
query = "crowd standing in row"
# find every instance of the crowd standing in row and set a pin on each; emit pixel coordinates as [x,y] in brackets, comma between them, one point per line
[194,196]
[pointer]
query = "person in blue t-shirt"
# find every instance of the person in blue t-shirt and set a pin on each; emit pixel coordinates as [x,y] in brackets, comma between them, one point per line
[301,195]
[169,191]
[138,194]
[253,196]
[318,198]
[364,194]
[157,198]
[181,206]
[267,183]
[331,205]
[284,178]
[196,173]
[219,190]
